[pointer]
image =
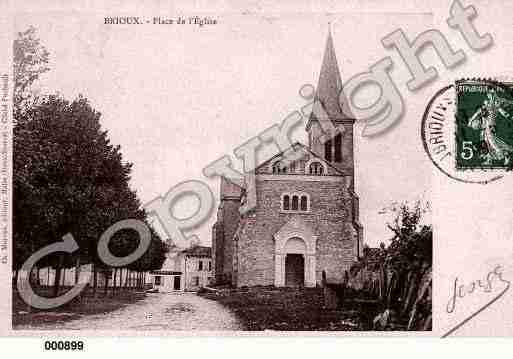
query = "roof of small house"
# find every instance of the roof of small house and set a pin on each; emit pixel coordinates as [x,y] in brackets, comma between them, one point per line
[165,272]
[198,251]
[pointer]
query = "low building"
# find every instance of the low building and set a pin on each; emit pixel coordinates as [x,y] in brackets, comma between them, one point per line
[197,267]
[166,280]
[185,270]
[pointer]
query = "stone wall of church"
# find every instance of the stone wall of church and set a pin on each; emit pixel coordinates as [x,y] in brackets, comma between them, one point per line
[317,146]
[231,222]
[329,218]
[222,239]
[224,229]
[217,250]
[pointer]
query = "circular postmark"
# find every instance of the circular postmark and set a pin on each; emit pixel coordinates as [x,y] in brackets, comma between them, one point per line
[467,130]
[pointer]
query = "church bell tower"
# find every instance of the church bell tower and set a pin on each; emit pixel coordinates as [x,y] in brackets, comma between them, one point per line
[337,149]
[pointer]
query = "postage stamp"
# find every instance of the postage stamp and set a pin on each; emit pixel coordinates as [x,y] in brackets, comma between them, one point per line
[467,130]
[484,124]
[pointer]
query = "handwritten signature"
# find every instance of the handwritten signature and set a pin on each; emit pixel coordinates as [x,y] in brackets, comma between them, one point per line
[477,286]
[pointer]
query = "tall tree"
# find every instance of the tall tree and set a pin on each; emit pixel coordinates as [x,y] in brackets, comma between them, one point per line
[30,61]
[68,178]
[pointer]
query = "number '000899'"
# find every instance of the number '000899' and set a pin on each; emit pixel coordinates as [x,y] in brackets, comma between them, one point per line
[64,345]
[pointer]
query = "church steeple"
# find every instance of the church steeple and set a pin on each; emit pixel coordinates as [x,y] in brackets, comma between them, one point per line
[337,150]
[330,83]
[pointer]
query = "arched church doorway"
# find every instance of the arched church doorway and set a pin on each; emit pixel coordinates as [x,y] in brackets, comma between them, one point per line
[294,270]
[294,255]
[295,249]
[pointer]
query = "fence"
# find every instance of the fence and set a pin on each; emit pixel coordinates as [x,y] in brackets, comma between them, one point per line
[406,295]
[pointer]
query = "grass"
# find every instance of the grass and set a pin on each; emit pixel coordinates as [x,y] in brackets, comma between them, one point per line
[84,304]
[289,309]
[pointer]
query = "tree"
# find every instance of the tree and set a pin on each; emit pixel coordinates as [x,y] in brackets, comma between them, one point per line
[123,243]
[68,178]
[411,246]
[408,262]
[30,60]
[401,271]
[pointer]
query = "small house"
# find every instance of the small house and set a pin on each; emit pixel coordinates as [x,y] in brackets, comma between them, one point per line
[185,270]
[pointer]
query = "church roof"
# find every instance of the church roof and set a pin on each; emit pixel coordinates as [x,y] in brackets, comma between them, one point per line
[329,86]
[297,146]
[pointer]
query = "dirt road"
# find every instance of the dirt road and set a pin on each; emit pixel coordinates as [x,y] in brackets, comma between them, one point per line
[159,311]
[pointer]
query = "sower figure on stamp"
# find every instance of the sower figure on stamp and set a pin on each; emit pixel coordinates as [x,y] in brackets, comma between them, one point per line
[485,119]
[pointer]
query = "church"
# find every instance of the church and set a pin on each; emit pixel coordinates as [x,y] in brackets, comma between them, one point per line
[306,219]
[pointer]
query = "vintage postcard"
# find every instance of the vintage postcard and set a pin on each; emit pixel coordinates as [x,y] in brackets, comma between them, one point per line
[178,169]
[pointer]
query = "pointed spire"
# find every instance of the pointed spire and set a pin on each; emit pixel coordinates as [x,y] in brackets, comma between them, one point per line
[330,82]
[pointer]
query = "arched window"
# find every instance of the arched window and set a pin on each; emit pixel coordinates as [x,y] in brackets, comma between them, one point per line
[333,149]
[328,145]
[316,168]
[338,148]
[295,204]
[304,203]
[278,168]
[286,202]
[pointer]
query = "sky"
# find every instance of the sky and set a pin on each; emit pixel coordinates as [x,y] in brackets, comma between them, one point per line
[177,98]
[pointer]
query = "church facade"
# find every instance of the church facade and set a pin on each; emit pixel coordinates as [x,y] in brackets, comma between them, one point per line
[306,219]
